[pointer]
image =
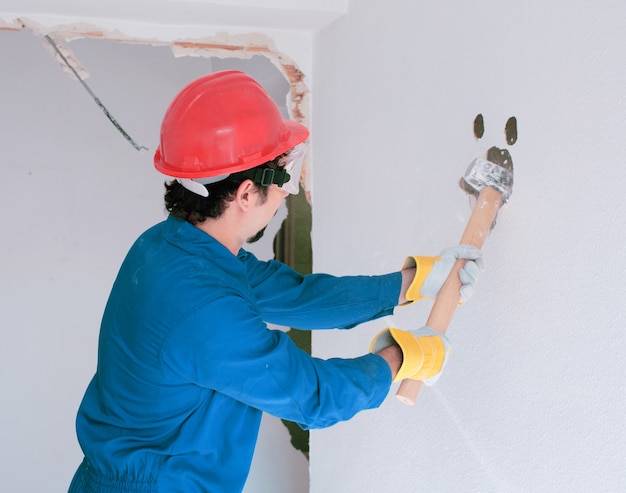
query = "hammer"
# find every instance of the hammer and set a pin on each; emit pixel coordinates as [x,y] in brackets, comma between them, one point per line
[491,181]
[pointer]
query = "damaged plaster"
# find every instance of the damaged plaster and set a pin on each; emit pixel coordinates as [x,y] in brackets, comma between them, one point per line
[292,244]
[222,45]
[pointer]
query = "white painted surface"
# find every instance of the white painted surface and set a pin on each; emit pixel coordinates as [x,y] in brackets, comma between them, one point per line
[76,196]
[189,18]
[533,397]
[121,8]
[268,24]
[532,400]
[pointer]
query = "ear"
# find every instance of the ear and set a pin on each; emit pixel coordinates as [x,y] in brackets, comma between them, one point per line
[245,195]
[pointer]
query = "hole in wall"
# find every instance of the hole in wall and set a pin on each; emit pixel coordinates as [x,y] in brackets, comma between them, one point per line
[116,67]
[510,130]
[136,82]
[479,126]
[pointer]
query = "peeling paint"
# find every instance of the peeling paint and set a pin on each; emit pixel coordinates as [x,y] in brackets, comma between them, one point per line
[15,25]
[66,59]
[244,46]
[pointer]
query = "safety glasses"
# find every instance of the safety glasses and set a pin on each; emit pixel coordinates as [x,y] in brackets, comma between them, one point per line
[286,176]
[292,163]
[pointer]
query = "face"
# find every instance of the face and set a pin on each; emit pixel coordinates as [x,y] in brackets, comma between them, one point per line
[266,209]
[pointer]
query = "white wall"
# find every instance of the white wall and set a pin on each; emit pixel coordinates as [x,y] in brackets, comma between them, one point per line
[76,195]
[532,399]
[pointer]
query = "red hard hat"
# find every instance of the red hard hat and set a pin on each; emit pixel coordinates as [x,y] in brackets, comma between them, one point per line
[220,124]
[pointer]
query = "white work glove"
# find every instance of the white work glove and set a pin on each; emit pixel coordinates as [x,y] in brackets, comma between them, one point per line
[432,272]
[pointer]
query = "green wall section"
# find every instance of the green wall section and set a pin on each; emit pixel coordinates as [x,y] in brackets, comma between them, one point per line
[292,245]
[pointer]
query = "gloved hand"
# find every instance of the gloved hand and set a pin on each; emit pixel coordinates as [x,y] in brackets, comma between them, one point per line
[432,272]
[424,352]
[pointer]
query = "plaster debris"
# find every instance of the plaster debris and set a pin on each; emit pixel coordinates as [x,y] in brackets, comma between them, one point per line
[65,58]
[222,45]
[245,46]
[13,25]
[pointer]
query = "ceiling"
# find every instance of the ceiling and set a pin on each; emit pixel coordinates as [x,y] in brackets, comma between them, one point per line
[308,15]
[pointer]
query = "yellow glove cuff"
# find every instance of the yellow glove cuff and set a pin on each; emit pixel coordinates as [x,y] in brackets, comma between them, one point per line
[423,266]
[434,353]
[422,357]
[412,354]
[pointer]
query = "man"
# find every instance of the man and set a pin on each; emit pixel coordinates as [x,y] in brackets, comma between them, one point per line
[186,363]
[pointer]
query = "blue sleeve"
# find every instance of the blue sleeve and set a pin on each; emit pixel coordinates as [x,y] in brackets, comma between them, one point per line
[319,301]
[225,346]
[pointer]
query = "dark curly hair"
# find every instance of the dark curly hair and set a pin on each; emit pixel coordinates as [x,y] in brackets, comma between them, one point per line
[189,206]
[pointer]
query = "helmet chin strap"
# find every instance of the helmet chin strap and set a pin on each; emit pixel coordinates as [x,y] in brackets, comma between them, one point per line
[260,175]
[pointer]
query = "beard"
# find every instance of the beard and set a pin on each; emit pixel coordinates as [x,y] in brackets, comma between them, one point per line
[256,237]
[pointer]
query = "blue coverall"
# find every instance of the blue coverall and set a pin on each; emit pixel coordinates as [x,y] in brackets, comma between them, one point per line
[187,365]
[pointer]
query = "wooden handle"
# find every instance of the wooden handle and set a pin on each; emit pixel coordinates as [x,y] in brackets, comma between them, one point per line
[476,232]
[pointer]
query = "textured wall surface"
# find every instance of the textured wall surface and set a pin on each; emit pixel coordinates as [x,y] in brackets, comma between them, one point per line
[532,399]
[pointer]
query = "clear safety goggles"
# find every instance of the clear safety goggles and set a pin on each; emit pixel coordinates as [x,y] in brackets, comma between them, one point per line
[286,176]
[292,163]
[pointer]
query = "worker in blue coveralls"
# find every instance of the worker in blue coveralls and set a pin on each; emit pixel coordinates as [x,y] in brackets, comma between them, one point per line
[186,362]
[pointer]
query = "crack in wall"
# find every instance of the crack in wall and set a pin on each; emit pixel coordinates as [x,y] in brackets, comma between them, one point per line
[292,243]
[222,45]
[68,61]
